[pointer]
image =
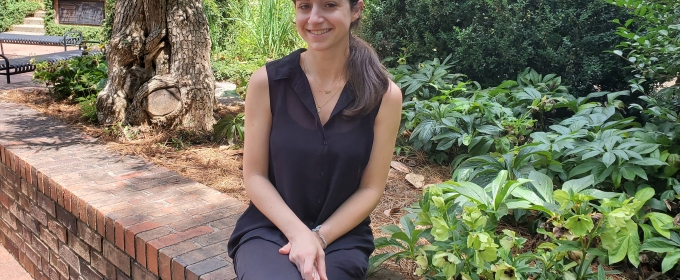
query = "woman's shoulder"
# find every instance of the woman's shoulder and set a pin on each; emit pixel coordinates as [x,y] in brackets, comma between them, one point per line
[284,67]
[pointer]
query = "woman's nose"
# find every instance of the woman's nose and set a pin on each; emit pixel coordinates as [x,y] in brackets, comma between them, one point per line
[316,15]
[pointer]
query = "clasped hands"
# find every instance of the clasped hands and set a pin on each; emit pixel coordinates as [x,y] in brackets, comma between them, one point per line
[306,252]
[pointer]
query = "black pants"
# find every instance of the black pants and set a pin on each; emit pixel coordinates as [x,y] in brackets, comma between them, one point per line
[259,259]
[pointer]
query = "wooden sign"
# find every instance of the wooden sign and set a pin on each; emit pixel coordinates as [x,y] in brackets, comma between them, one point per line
[81,12]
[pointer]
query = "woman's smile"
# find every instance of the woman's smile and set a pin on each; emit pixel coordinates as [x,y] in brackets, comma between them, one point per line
[320,31]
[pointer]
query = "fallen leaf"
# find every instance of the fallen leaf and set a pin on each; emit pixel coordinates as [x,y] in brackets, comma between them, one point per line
[400,166]
[416,180]
[391,211]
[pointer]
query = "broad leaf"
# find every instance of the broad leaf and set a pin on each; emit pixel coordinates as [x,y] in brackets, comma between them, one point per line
[471,191]
[577,185]
[660,245]
[670,261]
[661,223]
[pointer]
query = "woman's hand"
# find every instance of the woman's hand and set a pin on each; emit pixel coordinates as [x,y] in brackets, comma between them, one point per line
[306,253]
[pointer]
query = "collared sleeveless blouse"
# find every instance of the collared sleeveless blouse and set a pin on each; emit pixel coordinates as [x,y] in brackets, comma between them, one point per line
[314,167]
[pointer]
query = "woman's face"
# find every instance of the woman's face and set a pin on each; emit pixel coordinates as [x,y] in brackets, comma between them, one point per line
[325,24]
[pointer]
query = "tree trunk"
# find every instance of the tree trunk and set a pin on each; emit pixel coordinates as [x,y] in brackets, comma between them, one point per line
[159,66]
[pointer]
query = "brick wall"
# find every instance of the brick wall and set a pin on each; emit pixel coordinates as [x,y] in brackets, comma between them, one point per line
[79,211]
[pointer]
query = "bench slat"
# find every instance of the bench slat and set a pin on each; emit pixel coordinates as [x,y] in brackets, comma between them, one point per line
[38,40]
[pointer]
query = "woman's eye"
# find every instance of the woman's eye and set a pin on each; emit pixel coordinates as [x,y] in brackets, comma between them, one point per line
[331,5]
[303,6]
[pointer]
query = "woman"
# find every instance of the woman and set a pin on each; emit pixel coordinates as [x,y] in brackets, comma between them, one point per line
[321,124]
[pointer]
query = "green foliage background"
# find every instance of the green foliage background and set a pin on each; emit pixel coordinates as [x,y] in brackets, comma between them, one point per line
[493,40]
[14,11]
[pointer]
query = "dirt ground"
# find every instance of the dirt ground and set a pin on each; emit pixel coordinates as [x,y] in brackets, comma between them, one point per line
[220,166]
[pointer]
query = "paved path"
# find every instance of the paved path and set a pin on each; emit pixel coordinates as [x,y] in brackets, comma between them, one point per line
[10,268]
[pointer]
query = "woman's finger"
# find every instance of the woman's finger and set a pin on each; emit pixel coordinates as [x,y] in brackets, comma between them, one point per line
[285,250]
[308,269]
[321,265]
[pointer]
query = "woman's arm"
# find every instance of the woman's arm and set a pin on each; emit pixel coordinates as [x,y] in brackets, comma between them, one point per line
[374,178]
[305,249]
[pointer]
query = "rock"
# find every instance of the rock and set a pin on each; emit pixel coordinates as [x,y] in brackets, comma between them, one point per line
[416,180]
[400,166]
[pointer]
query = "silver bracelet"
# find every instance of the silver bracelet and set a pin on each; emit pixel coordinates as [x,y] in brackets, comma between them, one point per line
[323,240]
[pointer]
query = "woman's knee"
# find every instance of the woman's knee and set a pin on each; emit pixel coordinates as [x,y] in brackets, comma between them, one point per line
[346,264]
[260,259]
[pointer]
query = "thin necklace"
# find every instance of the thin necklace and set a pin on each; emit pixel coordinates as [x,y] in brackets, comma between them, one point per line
[304,63]
[318,108]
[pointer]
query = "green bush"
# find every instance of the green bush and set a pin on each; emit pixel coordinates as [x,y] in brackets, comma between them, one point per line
[74,78]
[14,11]
[245,34]
[95,33]
[493,40]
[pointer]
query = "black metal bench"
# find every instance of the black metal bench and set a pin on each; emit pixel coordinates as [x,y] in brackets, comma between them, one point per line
[20,65]
[70,38]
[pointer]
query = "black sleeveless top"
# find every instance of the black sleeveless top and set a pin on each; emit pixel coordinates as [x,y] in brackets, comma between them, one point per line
[315,168]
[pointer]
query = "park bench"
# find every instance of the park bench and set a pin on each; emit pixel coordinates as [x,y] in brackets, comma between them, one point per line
[18,65]
[70,38]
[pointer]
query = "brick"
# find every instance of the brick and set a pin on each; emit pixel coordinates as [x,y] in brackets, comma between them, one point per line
[117,257]
[92,217]
[30,223]
[67,219]
[122,276]
[79,246]
[218,236]
[53,273]
[39,214]
[166,255]
[32,255]
[69,257]
[197,221]
[53,190]
[88,273]
[59,265]
[141,273]
[221,205]
[154,245]
[90,237]
[41,248]
[228,222]
[46,204]
[73,275]
[50,240]
[225,273]
[103,266]
[58,230]
[8,218]
[100,220]
[34,177]
[41,184]
[141,242]
[67,201]
[194,271]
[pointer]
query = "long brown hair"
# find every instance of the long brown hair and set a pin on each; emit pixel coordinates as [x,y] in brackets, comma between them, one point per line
[365,74]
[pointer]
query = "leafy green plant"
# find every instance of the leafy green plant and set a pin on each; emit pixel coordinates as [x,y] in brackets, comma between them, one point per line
[76,77]
[230,128]
[88,107]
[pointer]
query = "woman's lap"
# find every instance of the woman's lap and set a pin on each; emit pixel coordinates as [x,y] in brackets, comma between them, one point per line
[260,259]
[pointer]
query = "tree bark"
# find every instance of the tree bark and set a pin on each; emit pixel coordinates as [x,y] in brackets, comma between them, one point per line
[159,66]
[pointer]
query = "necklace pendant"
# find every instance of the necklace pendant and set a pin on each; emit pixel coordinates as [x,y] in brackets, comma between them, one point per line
[318,110]
[327,91]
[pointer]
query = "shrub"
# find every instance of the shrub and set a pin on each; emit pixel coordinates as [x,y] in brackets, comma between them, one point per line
[493,40]
[14,11]
[88,107]
[73,78]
